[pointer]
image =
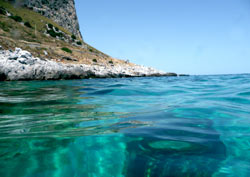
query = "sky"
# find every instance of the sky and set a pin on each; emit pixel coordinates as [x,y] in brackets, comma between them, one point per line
[182,36]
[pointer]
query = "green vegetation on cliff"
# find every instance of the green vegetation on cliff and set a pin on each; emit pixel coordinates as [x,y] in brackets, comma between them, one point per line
[24,28]
[30,16]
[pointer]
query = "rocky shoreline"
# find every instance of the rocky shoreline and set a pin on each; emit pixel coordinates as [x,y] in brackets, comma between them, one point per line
[21,65]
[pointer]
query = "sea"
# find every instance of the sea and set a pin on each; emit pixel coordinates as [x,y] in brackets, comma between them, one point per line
[128,127]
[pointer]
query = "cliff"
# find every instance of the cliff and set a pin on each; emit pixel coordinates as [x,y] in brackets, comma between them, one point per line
[40,40]
[62,12]
[47,29]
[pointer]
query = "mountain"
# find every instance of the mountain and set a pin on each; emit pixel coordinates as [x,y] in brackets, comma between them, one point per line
[41,36]
[62,12]
[47,29]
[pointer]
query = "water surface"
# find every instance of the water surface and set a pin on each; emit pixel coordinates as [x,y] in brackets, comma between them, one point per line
[166,126]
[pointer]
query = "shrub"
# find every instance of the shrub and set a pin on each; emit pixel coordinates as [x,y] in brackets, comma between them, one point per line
[91,50]
[78,43]
[52,33]
[2,11]
[56,29]
[111,62]
[65,49]
[50,26]
[41,12]
[73,37]
[28,24]
[4,26]
[17,18]
[59,34]
[94,60]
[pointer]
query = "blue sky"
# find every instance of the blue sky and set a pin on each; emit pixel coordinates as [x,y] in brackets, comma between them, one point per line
[182,36]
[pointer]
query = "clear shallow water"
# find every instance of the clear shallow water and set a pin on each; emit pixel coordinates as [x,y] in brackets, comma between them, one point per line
[189,126]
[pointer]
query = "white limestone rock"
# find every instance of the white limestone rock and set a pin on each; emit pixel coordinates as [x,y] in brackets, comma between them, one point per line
[21,65]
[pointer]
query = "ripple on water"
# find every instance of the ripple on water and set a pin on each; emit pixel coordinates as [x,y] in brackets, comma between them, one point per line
[192,126]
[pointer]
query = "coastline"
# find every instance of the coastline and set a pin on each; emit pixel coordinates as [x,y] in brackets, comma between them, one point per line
[21,65]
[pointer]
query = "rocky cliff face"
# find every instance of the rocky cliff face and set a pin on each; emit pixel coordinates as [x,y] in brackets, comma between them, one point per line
[63,12]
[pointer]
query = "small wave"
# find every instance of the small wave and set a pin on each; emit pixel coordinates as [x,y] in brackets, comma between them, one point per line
[244,94]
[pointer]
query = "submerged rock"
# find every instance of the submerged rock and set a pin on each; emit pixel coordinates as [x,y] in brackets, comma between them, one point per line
[21,65]
[177,147]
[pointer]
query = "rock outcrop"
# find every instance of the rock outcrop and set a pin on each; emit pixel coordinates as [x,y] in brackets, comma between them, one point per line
[63,12]
[21,65]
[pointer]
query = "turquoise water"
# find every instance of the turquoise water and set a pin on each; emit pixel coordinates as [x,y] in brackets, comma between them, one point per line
[183,126]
